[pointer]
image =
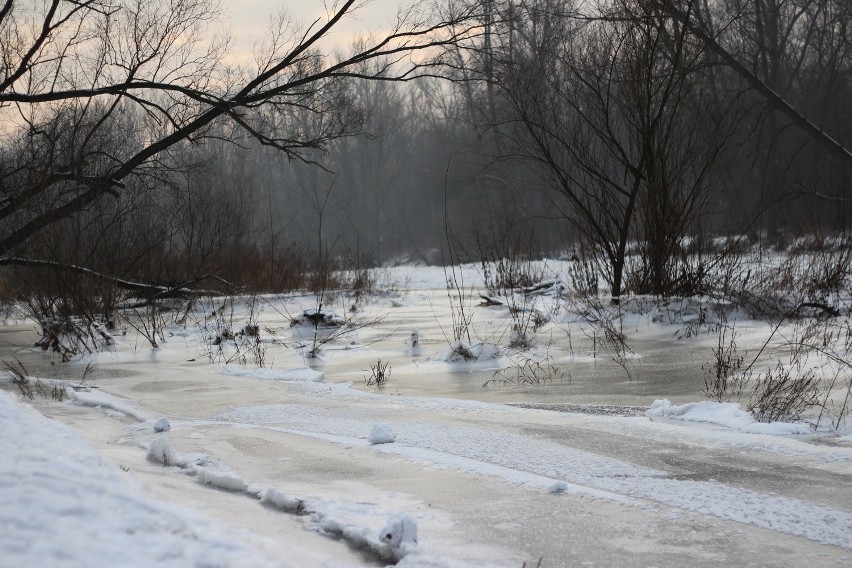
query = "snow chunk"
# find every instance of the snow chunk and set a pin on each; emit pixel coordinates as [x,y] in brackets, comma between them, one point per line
[222,480]
[726,414]
[161,451]
[277,499]
[400,533]
[382,434]
[162,425]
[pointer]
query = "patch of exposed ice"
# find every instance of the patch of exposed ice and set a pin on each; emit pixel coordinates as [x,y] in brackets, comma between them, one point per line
[304,374]
[98,398]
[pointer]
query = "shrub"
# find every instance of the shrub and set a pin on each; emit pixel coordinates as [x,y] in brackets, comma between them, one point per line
[724,377]
[783,395]
[379,374]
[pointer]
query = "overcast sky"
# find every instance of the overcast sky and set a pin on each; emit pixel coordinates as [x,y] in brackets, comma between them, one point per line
[250,18]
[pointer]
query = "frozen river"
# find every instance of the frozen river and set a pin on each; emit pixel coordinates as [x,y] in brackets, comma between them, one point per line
[571,471]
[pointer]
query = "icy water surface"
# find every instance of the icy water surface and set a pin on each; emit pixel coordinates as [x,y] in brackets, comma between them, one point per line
[594,483]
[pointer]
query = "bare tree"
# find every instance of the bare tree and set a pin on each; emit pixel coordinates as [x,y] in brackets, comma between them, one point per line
[612,108]
[789,61]
[69,71]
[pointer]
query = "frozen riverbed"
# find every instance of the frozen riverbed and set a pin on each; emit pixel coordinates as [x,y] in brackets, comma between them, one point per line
[570,471]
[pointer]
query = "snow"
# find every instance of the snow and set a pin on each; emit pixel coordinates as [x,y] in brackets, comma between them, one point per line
[62,504]
[400,533]
[381,434]
[275,498]
[727,414]
[297,461]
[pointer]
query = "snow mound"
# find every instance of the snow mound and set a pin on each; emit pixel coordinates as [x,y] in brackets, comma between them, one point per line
[275,498]
[161,451]
[400,532]
[162,425]
[299,374]
[222,480]
[461,351]
[727,414]
[382,434]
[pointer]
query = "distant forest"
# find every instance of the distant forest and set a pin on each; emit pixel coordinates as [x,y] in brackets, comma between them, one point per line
[134,149]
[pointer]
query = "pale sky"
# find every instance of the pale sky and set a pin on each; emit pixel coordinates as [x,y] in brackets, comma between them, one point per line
[249,18]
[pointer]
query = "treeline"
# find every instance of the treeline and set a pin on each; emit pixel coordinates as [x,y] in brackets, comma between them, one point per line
[631,132]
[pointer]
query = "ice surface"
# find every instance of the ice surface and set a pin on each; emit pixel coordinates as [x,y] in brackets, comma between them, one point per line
[696,484]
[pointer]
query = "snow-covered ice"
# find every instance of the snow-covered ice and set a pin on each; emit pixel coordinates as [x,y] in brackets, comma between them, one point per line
[62,504]
[298,451]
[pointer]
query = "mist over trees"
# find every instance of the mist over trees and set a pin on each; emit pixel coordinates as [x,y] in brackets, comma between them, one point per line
[134,147]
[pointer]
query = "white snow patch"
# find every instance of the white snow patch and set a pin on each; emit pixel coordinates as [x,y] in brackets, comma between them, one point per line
[400,533]
[382,434]
[63,504]
[162,425]
[277,499]
[221,479]
[726,414]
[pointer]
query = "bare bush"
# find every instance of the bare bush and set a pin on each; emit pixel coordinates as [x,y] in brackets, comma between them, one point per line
[723,377]
[528,373]
[607,332]
[379,374]
[807,282]
[20,377]
[783,393]
[812,366]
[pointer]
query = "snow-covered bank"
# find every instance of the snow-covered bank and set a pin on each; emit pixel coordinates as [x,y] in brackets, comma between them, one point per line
[62,504]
